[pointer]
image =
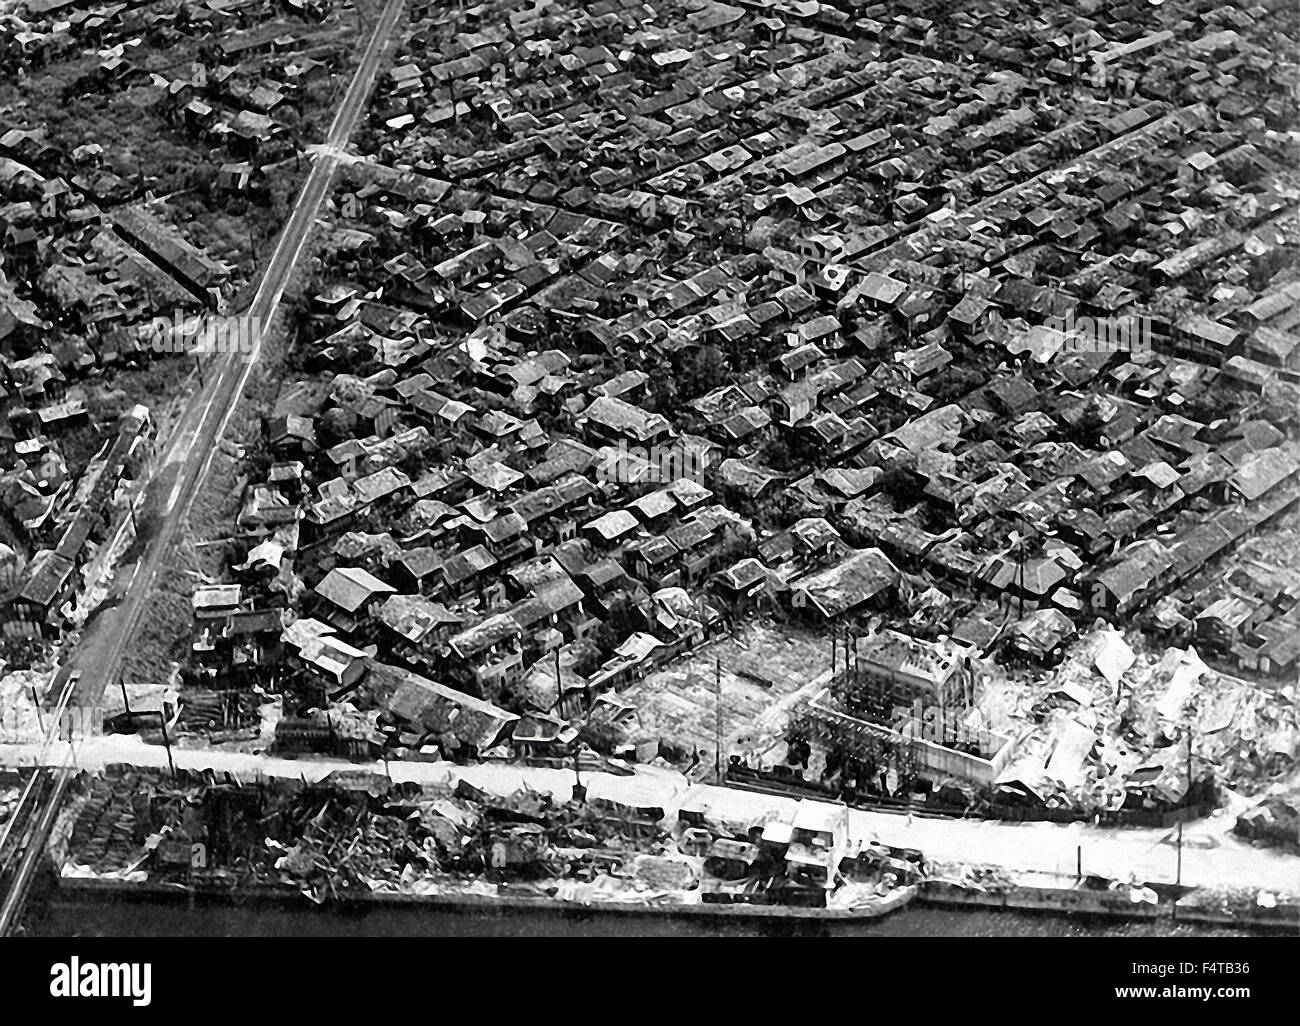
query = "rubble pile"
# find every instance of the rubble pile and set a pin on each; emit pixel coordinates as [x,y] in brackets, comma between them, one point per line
[121,817]
[20,719]
[346,846]
[220,715]
[1274,821]
[351,830]
[1111,729]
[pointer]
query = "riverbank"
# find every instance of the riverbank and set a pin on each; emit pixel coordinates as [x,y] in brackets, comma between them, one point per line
[459,901]
[1103,899]
[82,907]
[1053,896]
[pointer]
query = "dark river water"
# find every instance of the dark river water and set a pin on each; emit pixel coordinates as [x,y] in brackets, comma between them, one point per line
[152,918]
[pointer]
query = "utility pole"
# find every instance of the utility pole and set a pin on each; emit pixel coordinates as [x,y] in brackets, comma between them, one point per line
[579,792]
[162,718]
[717,719]
[1021,538]
[36,704]
[1020,580]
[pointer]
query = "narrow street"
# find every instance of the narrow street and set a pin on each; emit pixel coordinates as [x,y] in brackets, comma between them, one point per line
[182,466]
[1212,857]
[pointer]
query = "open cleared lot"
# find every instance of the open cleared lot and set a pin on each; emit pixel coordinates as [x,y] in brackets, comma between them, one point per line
[762,671]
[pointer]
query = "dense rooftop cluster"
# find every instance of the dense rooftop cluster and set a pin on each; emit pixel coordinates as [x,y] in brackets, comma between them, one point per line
[637,317]
[132,138]
[632,320]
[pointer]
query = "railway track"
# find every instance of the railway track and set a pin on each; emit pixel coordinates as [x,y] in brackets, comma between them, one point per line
[27,831]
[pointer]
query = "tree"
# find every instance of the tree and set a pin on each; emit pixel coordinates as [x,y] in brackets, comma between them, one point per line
[778,455]
[337,425]
[663,392]
[703,368]
[624,619]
